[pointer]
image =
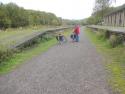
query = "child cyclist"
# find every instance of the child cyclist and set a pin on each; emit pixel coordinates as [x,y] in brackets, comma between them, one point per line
[61,38]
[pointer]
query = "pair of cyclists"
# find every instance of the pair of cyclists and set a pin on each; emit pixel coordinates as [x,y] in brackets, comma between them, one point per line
[75,36]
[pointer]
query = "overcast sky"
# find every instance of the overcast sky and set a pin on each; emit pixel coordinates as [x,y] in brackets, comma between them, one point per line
[68,9]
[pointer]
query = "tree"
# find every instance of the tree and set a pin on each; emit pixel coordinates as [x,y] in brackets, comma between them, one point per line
[101,8]
[17,15]
[5,22]
[102,4]
[12,15]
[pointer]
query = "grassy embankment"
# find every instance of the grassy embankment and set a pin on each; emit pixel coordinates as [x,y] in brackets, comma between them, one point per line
[12,36]
[115,61]
[27,54]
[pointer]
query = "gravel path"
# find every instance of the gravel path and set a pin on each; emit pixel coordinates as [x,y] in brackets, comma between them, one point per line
[70,68]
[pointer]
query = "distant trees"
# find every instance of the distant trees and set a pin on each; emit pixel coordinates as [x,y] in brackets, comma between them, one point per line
[17,15]
[4,19]
[102,7]
[71,22]
[12,15]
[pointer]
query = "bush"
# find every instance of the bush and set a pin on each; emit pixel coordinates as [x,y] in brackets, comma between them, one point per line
[5,54]
[35,41]
[47,37]
[115,40]
[120,39]
[102,34]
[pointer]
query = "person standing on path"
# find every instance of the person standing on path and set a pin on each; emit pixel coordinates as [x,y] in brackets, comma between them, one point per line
[77,32]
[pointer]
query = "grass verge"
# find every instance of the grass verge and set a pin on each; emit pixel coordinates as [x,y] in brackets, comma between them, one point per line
[19,58]
[115,61]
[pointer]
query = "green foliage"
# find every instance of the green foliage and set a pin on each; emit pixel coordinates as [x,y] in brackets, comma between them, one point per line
[5,53]
[93,20]
[4,19]
[101,5]
[17,15]
[97,16]
[38,17]
[71,22]
[12,15]
[102,34]
[115,40]
[101,8]
[112,40]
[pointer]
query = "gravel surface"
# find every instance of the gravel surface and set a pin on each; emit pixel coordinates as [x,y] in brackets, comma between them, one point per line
[70,68]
